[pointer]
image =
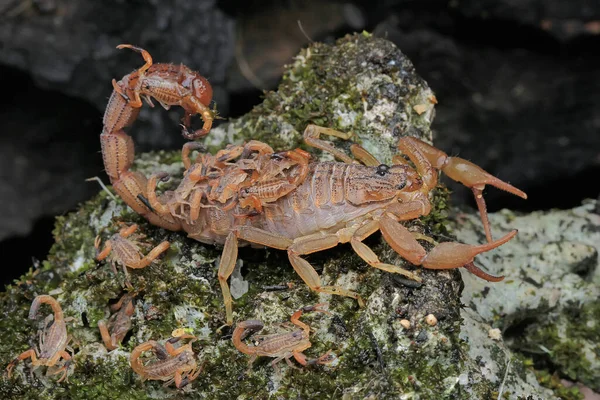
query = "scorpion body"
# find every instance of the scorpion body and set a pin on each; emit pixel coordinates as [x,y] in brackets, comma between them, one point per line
[173,365]
[314,205]
[281,346]
[53,341]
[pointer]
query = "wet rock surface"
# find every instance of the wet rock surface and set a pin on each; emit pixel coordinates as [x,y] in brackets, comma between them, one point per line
[390,348]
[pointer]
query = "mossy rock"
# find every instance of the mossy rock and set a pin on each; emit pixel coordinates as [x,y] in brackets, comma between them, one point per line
[361,84]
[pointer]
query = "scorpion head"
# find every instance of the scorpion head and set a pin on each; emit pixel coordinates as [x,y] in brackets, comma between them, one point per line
[382,183]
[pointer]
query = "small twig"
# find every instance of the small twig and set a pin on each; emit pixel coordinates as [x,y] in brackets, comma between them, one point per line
[95,178]
[504,380]
[273,288]
[377,350]
[304,32]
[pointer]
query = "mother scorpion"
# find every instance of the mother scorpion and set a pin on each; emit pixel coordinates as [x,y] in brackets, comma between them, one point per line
[328,203]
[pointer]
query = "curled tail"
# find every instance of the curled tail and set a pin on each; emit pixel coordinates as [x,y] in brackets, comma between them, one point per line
[242,330]
[46,299]
[118,154]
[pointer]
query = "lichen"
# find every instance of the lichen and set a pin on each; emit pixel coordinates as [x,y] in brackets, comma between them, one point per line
[549,308]
[361,84]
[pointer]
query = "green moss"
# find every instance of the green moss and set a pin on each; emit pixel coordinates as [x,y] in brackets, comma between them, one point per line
[335,86]
[567,341]
[553,381]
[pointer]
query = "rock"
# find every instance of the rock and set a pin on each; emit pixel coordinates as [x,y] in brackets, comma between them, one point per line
[502,107]
[361,84]
[548,306]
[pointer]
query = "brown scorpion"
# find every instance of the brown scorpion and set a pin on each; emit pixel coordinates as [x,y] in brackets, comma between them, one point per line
[333,203]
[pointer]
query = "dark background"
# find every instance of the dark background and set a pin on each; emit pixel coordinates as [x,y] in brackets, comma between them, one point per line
[518,85]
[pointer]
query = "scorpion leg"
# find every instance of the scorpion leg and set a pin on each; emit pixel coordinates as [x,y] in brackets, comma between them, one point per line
[311,137]
[158,207]
[275,366]
[108,339]
[311,244]
[101,255]
[427,159]
[178,380]
[127,231]
[26,354]
[326,358]
[153,255]
[446,255]
[370,257]
[362,155]
[226,267]
[64,368]
[229,257]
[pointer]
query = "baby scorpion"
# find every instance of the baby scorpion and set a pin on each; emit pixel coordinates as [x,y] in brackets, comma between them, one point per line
[53,341]
[119,323]
[173,365]
[124,248]
[167,83]
[282,346]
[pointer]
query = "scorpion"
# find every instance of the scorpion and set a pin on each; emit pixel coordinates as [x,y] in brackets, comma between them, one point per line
[119,323]
[173,365]
[167,83]
[52,341]
[123,248]
[333,203]
[282,346]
